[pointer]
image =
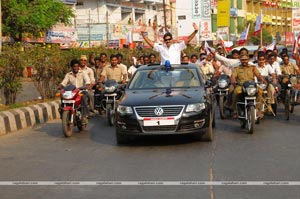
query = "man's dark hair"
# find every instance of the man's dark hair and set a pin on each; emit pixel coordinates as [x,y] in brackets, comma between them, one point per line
[235,52]
[97,59]
[194,55]
[101,54]
[260,54]
[167,34]
[119,55]
[113,56]
[152,54]
[73,62]
[243,49]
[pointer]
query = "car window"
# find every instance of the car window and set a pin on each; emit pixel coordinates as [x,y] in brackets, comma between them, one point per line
[157,78]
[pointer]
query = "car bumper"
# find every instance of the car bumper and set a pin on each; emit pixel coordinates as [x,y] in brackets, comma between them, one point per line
[187,123]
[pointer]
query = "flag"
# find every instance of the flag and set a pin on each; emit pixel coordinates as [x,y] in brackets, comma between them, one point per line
[272,46]
[296,46]
[208,49]
[227,45]
[258,24]
[244,36]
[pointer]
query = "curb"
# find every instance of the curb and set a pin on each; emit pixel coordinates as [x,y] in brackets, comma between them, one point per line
[19,118]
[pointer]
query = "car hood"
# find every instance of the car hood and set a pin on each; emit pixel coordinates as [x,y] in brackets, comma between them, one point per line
[162,97]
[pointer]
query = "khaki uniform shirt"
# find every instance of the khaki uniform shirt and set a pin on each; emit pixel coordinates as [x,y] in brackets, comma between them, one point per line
[80,80]
[288,69]
[243,74]
[115,73]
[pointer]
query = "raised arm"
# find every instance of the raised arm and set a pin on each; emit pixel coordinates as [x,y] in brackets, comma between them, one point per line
[191,36]
[146,38]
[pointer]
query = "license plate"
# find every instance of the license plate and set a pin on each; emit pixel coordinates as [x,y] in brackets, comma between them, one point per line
[68,101]
[159,121]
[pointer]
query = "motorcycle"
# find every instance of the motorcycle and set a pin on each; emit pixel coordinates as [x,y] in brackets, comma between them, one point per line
[221,91]
[246,106]
[209,89]
[112,93]
[291,90]
[70,109]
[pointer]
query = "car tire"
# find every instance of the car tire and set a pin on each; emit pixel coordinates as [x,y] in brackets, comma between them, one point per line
[208,134]
[121,138]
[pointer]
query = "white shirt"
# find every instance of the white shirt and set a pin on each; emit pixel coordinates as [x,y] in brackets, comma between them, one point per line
[132,69]
[173,54]
[276,68]
[90,73]
[266,70]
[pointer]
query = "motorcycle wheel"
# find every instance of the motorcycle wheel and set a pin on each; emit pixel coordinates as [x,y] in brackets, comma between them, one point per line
[292,103]
[222,107]
[66,124]
[251,119]
[110,115]
[287,105]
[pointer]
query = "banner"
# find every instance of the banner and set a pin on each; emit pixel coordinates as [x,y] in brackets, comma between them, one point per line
[205,30]
[223,15]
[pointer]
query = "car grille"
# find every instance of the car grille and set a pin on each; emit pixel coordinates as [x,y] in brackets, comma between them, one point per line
[149,111]
[160,128]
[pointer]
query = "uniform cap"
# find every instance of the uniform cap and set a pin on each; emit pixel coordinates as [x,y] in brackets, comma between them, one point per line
[83,57]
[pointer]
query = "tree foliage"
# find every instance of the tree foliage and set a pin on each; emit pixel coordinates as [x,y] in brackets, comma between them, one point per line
[255,39]
[33,16]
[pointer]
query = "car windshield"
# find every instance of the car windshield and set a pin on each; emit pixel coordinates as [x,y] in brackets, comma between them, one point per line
[157,78]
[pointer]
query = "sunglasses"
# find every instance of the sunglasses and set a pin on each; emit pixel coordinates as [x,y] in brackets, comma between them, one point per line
[169,39]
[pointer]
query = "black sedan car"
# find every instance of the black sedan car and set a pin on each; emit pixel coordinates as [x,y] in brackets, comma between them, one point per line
[164,99]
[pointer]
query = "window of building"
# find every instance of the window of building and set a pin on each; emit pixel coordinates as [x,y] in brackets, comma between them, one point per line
[240,4]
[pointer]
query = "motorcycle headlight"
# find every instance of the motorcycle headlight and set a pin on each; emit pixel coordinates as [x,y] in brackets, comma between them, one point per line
[195,107]
[68,95]
[124,110]
[251,91]
[222,83]
[293,80]
[109,89]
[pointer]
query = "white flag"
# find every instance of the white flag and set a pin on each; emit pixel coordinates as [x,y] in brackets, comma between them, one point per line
[258,24]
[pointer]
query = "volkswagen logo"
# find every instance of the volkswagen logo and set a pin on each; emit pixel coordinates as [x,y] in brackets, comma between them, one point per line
[158,111]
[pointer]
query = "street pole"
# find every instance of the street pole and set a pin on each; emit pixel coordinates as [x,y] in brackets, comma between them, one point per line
[165,15]
[0,27]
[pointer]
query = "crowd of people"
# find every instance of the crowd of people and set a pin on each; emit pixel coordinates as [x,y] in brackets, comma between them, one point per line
[267,66]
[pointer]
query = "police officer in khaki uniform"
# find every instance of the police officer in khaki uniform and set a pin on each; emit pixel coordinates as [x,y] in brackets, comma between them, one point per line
[244,72]
[288,68]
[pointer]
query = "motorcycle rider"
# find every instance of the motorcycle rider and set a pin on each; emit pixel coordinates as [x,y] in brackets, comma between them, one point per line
[244,72]
[266,71]
[113,71]
[90,72]
[79,79]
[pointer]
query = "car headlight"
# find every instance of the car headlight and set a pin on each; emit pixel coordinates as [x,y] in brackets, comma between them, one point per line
[109,89]
[68,95]
[251,91]
[222,83]
[124,110]
[195,107]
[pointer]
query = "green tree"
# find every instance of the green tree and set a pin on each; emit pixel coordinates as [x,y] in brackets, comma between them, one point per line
[33,16]
[255,39]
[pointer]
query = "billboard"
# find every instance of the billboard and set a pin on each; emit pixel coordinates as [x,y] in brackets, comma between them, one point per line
[223,15]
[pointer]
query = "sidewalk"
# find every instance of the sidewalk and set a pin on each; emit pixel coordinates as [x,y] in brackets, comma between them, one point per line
[18,118]
[28,93]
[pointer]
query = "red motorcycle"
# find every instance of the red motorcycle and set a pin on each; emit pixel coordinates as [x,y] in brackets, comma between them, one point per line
[71,109]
